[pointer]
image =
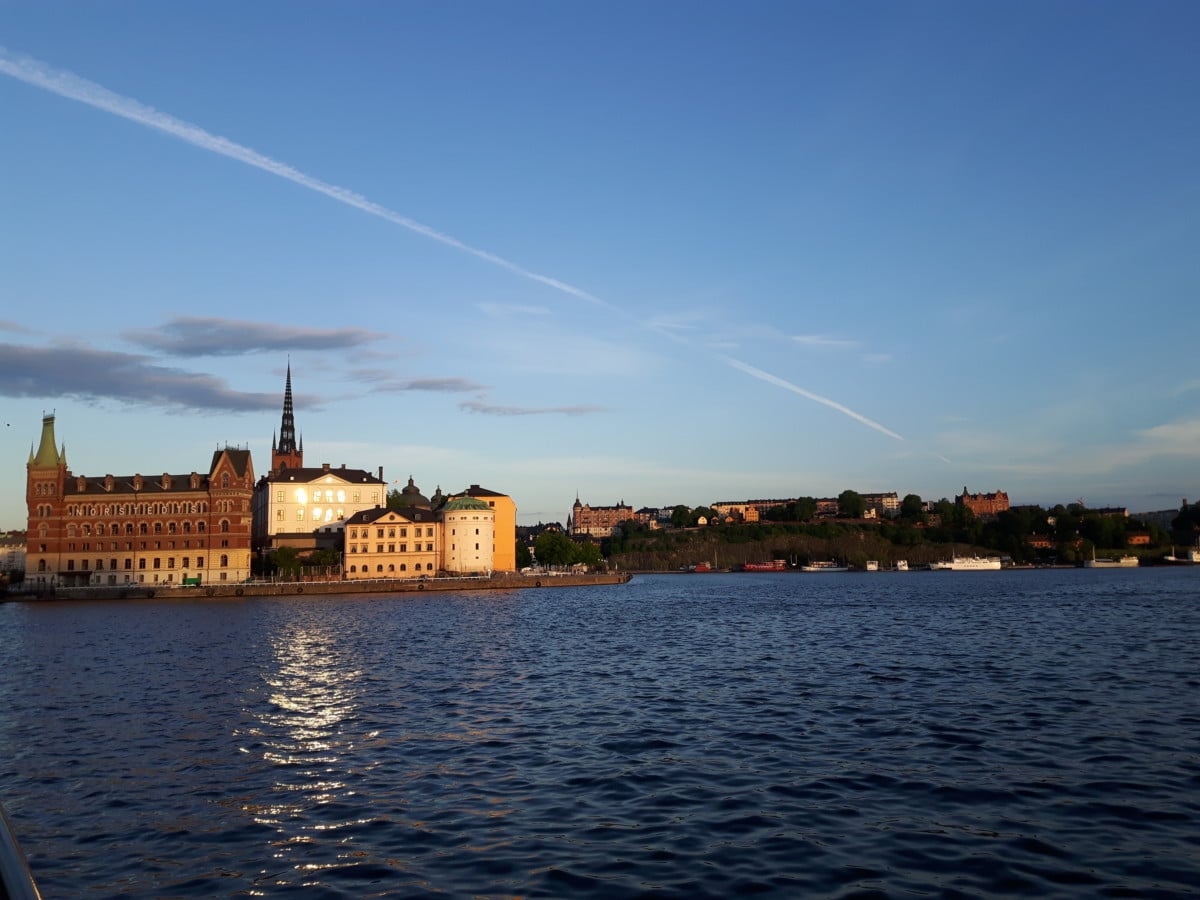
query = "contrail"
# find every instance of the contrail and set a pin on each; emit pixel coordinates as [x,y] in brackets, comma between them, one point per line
[71,86]
[816,398]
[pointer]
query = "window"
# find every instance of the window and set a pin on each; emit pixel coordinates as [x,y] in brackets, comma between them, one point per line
[279,515]
[403,567]
[279,496]
[429,531]
[391,548]
[391,532]
[225,525]
[199,562]
[70,565]
[379,568]
[379,532]
[429,548]
[404,548]
[224,561]
[128,563]
[170,562]
[186,560]
[225,480]
[354,497]
[379,548]
[300,515]
[157,563]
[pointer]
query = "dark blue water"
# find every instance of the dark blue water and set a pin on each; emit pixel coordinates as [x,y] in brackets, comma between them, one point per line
[885,734]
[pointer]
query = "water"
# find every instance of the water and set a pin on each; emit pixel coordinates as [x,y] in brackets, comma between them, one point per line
[885,734]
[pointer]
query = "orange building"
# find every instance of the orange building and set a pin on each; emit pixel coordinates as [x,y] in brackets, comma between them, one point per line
[134,529]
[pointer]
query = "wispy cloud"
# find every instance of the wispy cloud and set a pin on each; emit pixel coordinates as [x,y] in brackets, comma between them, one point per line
[194,336]
[15,327]
[820,340]
[67,84]
[383,381]
[489,409]
[511,310]
[94,375]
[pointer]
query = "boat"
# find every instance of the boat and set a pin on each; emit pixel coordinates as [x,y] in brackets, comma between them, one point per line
[902,565]
[16,881]
[1107,562]
[775,565]
[968,564]
[1191,558]
[872,565]
[701,567]
[824,566]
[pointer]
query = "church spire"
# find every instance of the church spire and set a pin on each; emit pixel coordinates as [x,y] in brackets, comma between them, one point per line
[286,454]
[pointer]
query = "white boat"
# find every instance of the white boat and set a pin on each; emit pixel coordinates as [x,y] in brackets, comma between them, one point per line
[968,564]
[902,565]
[1192,557]
[1107,562]
[872,565]
[824,566]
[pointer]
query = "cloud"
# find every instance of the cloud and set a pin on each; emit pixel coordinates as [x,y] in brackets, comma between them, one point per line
[510,310]
[488,409]
[820,340]
[384,381]
[15,327]
[89,374]
[196,336]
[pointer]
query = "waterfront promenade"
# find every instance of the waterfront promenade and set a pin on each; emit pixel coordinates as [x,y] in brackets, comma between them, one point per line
[275,588]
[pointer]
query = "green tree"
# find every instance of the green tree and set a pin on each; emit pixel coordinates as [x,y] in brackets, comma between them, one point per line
[553,548]
[804,509]
[326,556]
[524,556]
[588,554]
[681,516]
[395,499]
[285,560]
[912,508]
[851,505]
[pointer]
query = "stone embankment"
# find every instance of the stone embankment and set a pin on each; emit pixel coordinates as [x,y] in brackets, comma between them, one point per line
[499,582]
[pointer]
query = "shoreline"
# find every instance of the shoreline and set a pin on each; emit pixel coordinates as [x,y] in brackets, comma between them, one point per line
[509,581]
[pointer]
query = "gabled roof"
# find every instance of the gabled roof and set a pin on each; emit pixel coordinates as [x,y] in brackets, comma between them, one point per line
[239,458]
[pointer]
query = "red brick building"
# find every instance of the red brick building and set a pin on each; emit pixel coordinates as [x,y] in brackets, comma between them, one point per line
[134,529]
[983,505]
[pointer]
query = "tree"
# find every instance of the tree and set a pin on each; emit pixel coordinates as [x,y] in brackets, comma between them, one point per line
[286,560]
[912,508]
[680,516]
[524,557]
[805,509]
[326,556]
[395,499]
[851,505]
[553,548]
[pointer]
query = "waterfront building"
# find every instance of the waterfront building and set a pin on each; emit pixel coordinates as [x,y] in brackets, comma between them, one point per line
[504,553]
[135,529]
[986,506]
[307,507]
[886,505]
[598,521]
[391,543]
[469,536]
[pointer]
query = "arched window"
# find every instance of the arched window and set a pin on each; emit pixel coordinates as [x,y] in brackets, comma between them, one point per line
[143,528]
[200,526]
[170,528]
[224,525]
[129,528]
[225,479]
[187,527]
[158,527]
[379,568]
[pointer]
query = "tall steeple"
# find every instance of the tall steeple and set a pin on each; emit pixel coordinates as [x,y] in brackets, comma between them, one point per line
[286,454]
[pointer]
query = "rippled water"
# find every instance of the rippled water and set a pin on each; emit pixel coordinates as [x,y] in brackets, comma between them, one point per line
[885,734]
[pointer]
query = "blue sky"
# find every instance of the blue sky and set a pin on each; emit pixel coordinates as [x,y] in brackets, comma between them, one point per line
[652,252]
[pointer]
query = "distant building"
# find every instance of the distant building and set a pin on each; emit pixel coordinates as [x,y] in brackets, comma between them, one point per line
[12,553]
[135,529]
[886,505]
[305,507]
[985,506]
[598,521]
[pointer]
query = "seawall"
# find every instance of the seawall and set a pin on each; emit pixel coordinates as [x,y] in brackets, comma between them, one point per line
[502,582]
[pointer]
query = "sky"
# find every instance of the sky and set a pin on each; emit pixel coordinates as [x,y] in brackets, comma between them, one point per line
[652,253]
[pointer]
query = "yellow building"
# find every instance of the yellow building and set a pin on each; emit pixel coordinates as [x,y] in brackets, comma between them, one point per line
[391,543]
[504,552]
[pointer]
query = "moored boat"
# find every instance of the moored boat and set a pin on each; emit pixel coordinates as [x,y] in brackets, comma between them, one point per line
[968,564]
[1107,562]
[775,565]
[827,565]
[902,565]
[872,565]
